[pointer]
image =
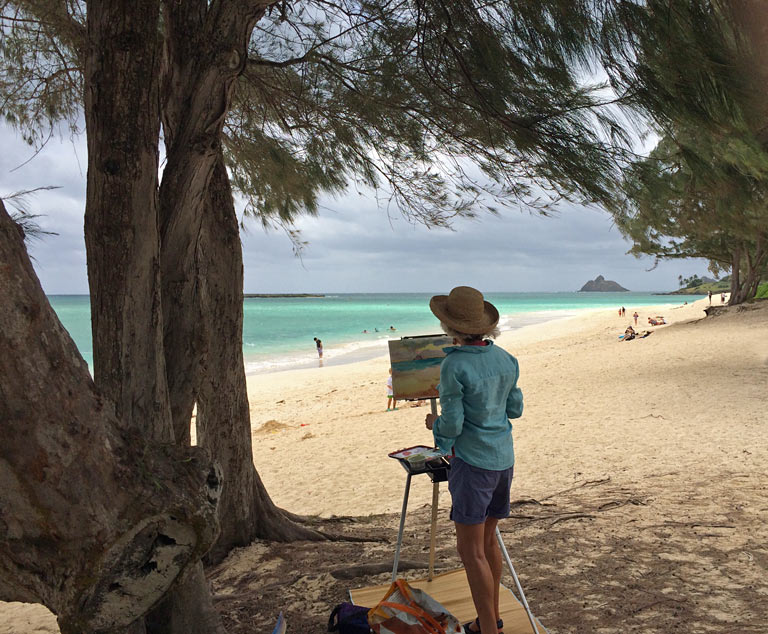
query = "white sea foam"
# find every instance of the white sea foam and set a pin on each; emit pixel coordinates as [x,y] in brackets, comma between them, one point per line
[332,355]
[375,345]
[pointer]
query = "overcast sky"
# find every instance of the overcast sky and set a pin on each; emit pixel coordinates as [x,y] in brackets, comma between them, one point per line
[355,246]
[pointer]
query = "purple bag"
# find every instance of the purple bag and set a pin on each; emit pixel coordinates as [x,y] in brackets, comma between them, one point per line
[348,618]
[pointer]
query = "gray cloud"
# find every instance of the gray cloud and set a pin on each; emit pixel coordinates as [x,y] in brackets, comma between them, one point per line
[357,247]
[354,246]
[59,260]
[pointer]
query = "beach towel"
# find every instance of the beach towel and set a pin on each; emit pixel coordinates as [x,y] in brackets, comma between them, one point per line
[407,610]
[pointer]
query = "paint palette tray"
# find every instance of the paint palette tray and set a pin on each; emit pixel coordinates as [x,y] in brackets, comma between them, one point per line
[423,459]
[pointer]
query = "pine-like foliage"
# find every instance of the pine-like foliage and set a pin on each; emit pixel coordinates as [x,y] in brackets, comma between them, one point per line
[41,43]
[671,210]
[693,68]
[442,107]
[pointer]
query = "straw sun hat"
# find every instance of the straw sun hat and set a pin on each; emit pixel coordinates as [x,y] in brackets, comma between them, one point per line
[465,310]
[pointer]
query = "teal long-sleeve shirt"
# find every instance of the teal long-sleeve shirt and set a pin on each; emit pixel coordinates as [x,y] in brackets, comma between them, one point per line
[478,395]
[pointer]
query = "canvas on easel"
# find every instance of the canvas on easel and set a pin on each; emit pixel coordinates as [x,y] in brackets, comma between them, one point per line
[416,365]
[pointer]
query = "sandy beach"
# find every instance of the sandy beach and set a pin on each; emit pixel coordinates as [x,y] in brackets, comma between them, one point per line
[650,453]
[594,406]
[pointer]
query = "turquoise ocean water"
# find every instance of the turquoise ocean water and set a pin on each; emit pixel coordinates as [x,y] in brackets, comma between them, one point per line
[278,332]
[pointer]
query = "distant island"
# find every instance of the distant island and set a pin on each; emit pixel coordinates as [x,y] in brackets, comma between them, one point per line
[601,285]
[275,295]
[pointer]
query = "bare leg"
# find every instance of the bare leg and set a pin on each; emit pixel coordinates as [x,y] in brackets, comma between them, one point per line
[470,542]
[493,555]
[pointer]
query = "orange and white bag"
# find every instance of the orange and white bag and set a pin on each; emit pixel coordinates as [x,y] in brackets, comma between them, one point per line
[407,610]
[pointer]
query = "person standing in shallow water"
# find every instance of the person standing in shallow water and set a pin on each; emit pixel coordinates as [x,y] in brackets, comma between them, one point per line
[319,345]
[478,395]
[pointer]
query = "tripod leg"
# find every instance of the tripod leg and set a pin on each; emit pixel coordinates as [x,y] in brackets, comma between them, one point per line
[402,526]
[504,552]
[433,530]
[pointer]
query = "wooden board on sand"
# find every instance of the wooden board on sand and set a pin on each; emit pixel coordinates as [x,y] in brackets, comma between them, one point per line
[452,590]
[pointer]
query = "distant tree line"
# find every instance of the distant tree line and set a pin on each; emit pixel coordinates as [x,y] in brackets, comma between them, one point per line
[690,282]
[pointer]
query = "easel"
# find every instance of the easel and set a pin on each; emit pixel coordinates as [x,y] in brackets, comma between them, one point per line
[437,476]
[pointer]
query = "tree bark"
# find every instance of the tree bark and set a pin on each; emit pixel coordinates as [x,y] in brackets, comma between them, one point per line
[122,108]
[97,521]
[761,259]
[223,416]
[744,284]
[187,610]
[122,123]
[205,52]
[202,262]
[735,276]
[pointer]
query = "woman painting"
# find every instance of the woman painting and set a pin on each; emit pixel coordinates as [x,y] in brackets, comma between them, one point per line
[478,395]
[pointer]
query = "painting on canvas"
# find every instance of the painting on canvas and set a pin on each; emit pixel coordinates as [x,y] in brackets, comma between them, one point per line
[416,365]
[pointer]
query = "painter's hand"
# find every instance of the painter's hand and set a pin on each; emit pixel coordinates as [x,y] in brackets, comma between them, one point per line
[429,421]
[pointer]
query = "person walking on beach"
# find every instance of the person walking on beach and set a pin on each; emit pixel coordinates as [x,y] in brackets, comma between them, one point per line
[391,402]
[478,395]
[709,295]
[635,316]
[319,345]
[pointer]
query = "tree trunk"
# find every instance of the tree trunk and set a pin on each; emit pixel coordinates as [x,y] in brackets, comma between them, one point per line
[761,260]
[122,109]
[97,521]
[122,123]
[187,610]
[223,415]
[744,286]
[205,51]
[735,276]
[203,310]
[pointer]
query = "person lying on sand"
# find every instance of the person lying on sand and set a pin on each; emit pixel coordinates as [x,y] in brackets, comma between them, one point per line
[630,334]
[658,321]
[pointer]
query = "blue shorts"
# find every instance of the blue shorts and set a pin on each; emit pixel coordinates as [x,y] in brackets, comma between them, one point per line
[478,494]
